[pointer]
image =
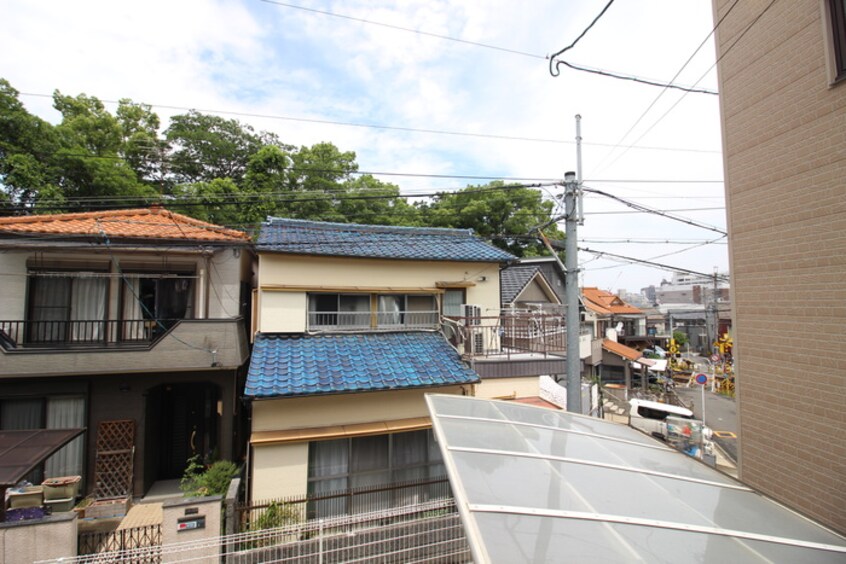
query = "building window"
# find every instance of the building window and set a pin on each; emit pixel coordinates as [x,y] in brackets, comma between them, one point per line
[343,464]
[152,303]
[371,311]
[837,17]
[65,308]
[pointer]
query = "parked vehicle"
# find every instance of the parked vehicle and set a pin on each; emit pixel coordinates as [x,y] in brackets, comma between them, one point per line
[672,424]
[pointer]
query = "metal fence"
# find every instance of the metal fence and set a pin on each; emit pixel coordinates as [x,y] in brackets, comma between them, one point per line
[425,532]
[97,543]
[60,333]
[266,514]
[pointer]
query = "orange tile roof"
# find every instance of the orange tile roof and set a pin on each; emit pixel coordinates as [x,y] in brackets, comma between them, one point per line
[152,223]
[536,401]
[621,350]
[601,301]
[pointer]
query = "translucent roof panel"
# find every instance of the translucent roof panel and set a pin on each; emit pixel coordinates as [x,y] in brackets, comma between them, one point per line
[535,484]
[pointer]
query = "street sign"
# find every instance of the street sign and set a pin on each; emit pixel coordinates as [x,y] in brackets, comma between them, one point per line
[715,357]
[701,379]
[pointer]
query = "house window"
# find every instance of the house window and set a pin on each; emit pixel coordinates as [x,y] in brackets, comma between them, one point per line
[371,311]
[153,302]
[453,300]
[54,412]
[66,308]
[358,462]
[837,17]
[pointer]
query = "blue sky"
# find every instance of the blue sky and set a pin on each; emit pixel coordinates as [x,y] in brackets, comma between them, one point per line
[265,59]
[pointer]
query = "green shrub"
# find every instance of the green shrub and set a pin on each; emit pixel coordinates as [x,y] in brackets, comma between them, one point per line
[276,515]
[201,481]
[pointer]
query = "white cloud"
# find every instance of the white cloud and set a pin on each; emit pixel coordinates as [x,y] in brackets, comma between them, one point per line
[261,58]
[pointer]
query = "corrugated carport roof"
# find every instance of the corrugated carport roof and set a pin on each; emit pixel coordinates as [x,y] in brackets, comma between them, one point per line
[21,451]
[539,485]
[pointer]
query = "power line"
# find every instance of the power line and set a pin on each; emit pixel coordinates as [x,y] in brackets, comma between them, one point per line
[632,78]
[652,264]
[641,207]
[406,29]
[554,69]
[720,58]
[664,91]
[390,127]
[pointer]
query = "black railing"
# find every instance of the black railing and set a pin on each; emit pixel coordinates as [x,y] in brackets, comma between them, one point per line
[123,539]
[47,334]
[269,514]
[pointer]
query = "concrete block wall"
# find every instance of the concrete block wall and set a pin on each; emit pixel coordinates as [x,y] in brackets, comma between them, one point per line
[784,141]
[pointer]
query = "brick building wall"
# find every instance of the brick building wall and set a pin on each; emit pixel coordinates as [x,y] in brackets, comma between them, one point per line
[784,142]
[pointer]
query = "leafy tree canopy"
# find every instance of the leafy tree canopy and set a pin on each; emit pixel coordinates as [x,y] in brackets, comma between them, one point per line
[499,212]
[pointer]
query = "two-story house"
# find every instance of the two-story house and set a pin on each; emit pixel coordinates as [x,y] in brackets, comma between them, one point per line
[131,316]
[348,340]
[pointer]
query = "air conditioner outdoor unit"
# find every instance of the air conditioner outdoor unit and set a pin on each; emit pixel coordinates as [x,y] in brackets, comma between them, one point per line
[473,321]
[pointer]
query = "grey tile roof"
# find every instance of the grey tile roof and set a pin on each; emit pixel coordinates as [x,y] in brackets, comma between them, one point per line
[299,365]
[296,236]
[513,280]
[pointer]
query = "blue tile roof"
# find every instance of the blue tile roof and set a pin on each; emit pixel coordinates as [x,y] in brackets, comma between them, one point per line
[298,365]
[297,236]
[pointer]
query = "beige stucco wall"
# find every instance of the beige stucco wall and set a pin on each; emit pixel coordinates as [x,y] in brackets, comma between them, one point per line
[283,312]
[508,387]
[281,470]
[299,274]
[784,141]
[204,551]
[343,409]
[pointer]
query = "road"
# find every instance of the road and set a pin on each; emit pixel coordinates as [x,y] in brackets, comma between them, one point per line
[720,416]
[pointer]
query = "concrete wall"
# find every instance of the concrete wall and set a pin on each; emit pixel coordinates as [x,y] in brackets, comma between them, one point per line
[14,282]
[24,542]
[280,471]
[192,508]
[784,141]
[301,274]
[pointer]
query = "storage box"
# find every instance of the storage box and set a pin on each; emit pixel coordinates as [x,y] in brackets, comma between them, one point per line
[60,505]
[61,489]
[107,508]
[31,496]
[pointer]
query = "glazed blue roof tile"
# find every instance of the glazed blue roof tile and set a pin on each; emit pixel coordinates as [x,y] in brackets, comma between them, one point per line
[298,365]
[295,236]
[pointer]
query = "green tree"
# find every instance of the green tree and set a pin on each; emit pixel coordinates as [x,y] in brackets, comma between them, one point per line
[369,200]
[206,147]
[215,201]
[90,161]
[318,173]
[27,147]
[503,214]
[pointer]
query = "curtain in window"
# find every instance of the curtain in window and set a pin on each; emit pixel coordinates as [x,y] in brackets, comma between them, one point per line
[133,324]
[66,413]
[452,303]
[390,308]
[327,459]
[88,305]
[50,309]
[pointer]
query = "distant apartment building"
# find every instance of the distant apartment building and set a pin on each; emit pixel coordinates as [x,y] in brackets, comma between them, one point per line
[691,289]
[782,75]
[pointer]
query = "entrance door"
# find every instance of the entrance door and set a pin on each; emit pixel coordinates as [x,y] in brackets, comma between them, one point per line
[188,426]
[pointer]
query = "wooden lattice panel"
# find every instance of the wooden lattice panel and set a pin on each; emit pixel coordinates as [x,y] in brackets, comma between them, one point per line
[115,452]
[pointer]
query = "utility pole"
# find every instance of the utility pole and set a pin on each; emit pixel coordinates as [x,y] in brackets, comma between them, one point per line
[573,209]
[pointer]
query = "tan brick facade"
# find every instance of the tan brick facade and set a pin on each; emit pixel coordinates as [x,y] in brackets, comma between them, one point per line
[784,141]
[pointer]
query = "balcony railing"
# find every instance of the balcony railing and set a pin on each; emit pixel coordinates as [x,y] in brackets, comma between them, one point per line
[509,334]
[366,320]
[65,334]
